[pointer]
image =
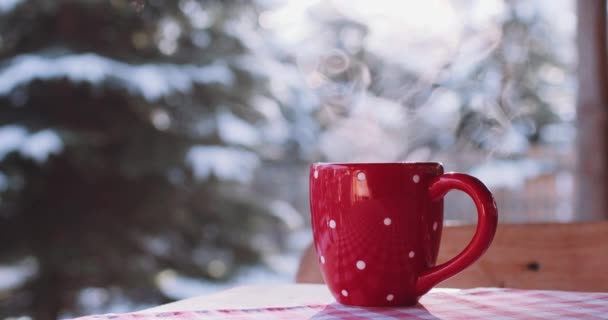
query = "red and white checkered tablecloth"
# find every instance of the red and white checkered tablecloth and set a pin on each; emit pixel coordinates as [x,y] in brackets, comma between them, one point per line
[470,304]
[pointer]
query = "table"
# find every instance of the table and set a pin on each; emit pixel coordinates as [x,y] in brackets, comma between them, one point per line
[301,301]
[256,296]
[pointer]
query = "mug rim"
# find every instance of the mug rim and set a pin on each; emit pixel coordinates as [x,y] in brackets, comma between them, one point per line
[402,163]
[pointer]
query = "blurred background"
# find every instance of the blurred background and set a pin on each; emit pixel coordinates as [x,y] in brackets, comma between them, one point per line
[154,150]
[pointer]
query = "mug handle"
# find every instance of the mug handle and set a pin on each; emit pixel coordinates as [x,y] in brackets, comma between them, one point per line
[486,227]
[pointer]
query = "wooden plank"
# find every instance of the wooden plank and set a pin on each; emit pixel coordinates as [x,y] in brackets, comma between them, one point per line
[252,297]
[570,257]
[260,296]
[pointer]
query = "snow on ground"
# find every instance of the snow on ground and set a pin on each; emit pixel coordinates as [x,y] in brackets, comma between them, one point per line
[509,174]
[275,269]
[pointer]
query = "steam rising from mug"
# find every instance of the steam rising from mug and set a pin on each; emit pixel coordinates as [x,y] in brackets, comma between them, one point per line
[404,80]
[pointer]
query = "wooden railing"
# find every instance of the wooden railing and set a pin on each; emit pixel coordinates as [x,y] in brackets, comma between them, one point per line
[569,256]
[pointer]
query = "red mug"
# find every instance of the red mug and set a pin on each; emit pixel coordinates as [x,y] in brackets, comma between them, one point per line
[377,228]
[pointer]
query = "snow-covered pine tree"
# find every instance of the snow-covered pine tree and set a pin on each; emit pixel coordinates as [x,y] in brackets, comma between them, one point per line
[129,134]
